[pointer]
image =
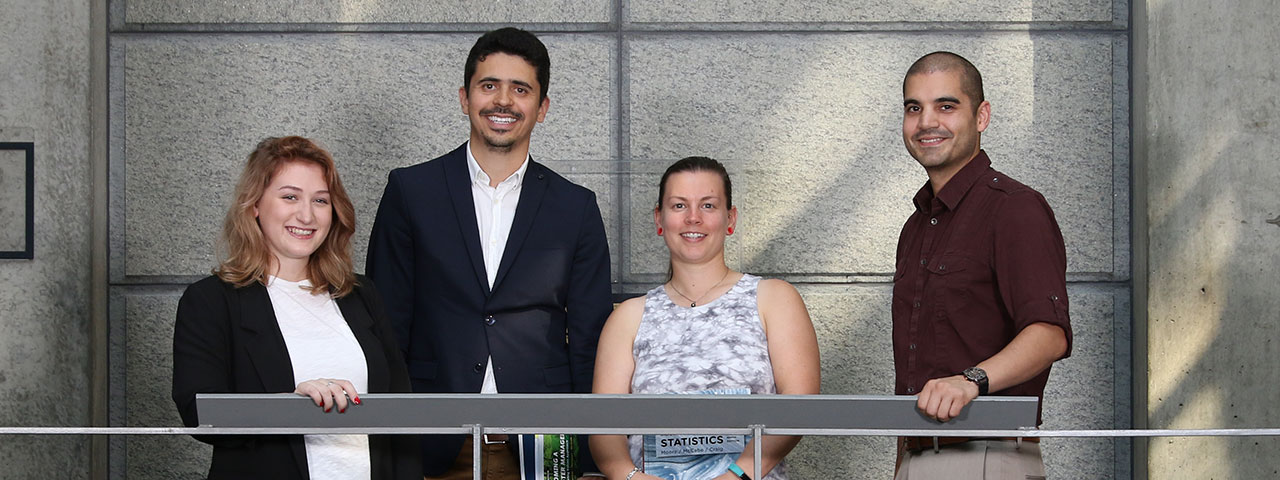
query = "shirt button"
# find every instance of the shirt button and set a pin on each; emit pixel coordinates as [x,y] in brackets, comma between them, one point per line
[924,261]
[942,267]
[995,179]
[489,320]
[477,368]
[917,306]
[911,390]
[911,347]
[1054,298]
[933,221]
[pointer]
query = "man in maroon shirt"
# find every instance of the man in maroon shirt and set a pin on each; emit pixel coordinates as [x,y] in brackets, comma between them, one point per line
[979,294]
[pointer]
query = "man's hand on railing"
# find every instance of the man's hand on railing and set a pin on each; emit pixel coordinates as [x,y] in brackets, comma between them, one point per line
[944,398]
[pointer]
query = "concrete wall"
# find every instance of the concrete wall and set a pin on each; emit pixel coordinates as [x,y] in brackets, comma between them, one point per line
[1210,126]
[800,99]
[44,302]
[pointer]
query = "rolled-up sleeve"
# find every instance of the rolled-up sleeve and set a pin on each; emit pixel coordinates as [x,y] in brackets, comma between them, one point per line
[1030,261]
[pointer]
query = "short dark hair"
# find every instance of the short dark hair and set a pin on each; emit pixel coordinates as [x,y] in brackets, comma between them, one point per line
[970,78]
[696,164]
[511,41]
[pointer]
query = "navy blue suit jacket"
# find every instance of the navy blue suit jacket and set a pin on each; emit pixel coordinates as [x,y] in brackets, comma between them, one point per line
[541,320]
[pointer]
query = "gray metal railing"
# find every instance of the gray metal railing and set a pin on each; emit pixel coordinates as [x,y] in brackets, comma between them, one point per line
[477,415]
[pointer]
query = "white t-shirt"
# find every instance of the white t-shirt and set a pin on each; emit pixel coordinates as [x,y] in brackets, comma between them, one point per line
[321,345]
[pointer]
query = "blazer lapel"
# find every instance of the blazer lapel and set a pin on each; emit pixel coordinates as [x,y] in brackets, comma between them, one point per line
[357,316]
[266,346]
[458,180]
[268,352]
[532,190]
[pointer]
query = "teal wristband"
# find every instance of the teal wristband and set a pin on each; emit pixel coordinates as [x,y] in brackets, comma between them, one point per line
[736,470]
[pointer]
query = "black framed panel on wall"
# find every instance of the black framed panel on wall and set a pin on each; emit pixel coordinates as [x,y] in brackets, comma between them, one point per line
[17,200]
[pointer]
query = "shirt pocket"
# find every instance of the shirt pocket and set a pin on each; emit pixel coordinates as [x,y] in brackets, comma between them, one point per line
[951,265]
[954,279]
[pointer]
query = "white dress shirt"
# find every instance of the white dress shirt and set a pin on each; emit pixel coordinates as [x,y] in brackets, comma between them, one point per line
[495,209]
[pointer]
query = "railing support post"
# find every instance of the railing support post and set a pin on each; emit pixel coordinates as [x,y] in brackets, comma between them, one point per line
[477,439]
[757,437]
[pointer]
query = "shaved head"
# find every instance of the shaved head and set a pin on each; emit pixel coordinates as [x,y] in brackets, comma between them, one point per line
[970,79]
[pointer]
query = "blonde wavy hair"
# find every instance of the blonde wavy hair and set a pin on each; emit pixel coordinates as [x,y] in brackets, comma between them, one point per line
[248,258]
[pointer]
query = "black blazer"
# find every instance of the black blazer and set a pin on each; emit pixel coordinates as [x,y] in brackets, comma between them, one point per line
[541,321]
[226,340]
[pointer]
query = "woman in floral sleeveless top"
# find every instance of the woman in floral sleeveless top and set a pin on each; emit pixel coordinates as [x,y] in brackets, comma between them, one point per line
[707,330]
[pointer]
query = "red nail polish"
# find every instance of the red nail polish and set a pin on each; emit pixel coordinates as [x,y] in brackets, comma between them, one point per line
[326,410]
[342,411]
[357,400]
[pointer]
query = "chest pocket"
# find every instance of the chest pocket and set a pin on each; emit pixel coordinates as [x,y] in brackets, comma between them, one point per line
[955,277]
[951,265]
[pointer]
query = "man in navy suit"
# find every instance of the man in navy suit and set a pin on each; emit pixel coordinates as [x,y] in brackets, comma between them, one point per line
[495,269]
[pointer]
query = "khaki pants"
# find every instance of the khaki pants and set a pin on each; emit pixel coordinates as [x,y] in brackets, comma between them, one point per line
[497,462]
[977,460]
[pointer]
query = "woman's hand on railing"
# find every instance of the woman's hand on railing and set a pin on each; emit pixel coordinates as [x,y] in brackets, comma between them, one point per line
[329,392]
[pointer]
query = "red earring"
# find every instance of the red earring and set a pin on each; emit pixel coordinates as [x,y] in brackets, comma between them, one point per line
[730,230]
[659,230]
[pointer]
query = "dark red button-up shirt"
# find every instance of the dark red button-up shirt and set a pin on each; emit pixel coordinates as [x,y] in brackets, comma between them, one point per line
[977,263]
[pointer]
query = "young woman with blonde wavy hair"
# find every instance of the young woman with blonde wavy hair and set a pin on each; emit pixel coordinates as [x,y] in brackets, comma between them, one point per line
[285,312]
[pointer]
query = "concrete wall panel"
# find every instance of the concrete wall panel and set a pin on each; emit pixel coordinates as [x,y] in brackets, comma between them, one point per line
[146,400]
[1088,391]
[347,12]
[44,302]
[192,113]
[815,122]
[1211,126]
[853,327]
[817,11]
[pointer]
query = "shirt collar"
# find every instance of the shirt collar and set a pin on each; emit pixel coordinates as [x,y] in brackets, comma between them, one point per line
[478,175]
[957,187]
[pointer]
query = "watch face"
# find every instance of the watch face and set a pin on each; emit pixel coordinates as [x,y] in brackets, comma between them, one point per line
[975,374]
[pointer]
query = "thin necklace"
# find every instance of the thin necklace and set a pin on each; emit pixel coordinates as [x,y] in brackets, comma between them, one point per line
[694,303]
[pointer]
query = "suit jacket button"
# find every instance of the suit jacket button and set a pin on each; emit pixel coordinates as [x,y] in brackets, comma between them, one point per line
[477,368]
[489,320]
